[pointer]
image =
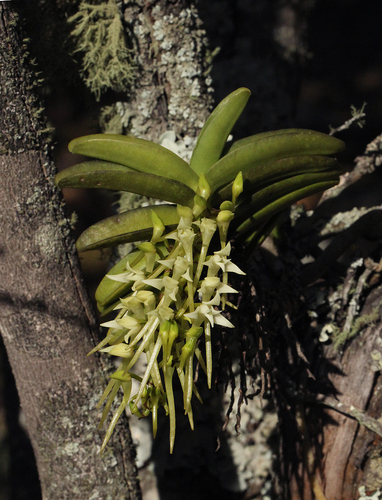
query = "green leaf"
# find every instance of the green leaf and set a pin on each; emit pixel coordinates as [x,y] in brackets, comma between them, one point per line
[273,171]
[106,175]
[270,149]
[134,225]
[280,204]
[264,197]
[137,154]
[216,130]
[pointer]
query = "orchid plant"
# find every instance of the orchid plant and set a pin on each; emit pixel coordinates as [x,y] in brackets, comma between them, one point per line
[172,290]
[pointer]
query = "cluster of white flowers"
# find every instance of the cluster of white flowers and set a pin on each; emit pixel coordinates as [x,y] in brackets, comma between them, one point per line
[177,296]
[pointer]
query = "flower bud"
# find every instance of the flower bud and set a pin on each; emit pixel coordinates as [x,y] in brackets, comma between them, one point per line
[121,350]
[223,219]
[150,253]
[158,227]
[237,187]
[200,205]
[172,335]
[226,205]
[203,188]
[189,347]
[164,331]
[184,212]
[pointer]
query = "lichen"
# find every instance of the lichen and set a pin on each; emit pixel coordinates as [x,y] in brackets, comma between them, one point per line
[340,337]
[74,449]
[343,220]
[100,36]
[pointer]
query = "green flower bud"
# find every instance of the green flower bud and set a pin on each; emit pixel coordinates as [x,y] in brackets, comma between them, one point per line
[223,220]
[164,331]
[189,347]
[184,212]
[237,187]
[150,253]
[172,335]
[200,205]
[203,188]
[158,227]
[224,217]
[226,205]
[134,410]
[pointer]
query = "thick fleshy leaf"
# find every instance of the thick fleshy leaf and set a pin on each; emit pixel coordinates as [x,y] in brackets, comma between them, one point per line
[138,154]
[231,146]
[267,173]
[134,225]
[273,192]
[107,175]
[216,130]
[281,203]
[270,149]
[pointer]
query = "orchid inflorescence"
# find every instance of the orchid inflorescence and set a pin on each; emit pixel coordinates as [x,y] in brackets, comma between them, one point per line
[160,318]
[171,291]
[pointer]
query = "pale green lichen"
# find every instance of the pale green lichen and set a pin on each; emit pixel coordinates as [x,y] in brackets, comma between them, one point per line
[100,35]
[110,120]
[341,337]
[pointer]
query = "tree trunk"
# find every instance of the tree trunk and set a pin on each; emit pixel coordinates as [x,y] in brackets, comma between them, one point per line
[47,321]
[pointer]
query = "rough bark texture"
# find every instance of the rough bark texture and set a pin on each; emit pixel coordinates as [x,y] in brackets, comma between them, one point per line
[46,319]
[171,92]
[351,451]
[341,432]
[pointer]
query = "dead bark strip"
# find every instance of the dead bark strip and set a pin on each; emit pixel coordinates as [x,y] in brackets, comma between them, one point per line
[350,450]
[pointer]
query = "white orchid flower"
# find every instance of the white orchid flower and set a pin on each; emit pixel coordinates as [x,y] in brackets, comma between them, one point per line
[186,238]
[210,284]
[219,261]
[130,323]
[170,286]
[134,305]
[206,311]
[121,350]
[148,299]
[207,229]
[162,313]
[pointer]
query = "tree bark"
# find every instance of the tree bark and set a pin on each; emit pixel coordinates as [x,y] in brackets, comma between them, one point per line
[47,321]
[338,401]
